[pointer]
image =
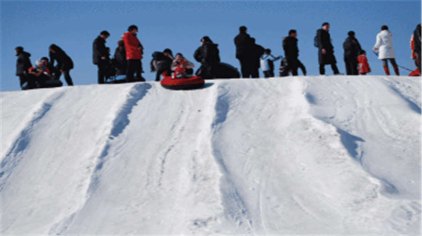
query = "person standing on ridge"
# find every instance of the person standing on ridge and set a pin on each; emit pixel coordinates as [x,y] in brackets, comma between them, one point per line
[291,53]
[23,63]
[254,59]
[352,49]
[325,49]
[384,48]
[244,46]
[134,52]
[64,63]
[99,52]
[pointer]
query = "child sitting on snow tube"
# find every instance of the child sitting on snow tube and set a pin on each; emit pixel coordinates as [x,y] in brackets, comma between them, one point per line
[181,67]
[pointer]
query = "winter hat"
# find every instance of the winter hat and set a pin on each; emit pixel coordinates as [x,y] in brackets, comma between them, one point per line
[105,33]
[292,31]
[44,59]
[179,54]
[19,48]
[243,28]
[325,23]
[351,33]
[384,27]
[168,50]
[132,27]
[206,39]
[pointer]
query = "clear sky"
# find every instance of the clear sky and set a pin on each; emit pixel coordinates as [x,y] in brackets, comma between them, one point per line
[179,25]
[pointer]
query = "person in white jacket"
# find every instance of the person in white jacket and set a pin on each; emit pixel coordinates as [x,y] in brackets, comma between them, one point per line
[384,48]
[267,63]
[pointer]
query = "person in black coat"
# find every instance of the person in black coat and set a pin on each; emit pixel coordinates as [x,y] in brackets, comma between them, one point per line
[23,63]
[326,50]
[352,49]
[209,57]
[161,62]
[99,53]
[119,59]
[417,44]
[64,63]
[244,46]
[291,52]
[253,59]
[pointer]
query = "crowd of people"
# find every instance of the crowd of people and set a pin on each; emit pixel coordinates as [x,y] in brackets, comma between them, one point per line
[128,55]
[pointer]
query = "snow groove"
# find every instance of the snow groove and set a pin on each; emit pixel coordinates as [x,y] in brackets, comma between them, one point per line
[14,155]
[413,105]
[234,205]
[118,126]
[353,144]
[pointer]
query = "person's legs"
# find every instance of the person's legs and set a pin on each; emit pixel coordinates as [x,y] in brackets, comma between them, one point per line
[395,66]
[267,74]
[385,66]
[101,72]
[68,78]
[335,69]
[244,68]
[138,69]
[348,66]
[302,67]
[321,69]
[418,61]
[130,70]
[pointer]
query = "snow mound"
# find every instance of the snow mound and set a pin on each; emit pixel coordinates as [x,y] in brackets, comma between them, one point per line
[320,155]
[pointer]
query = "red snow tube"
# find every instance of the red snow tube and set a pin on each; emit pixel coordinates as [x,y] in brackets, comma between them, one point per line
[193,82]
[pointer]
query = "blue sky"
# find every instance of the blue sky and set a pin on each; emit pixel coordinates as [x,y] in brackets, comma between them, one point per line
[179,25]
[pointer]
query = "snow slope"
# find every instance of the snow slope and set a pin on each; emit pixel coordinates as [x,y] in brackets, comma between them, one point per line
[320,155]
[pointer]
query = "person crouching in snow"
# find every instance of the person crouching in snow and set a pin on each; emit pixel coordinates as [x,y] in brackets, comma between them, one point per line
[267,63]
[363,64]
[182,67]
[384,48]
[40,73]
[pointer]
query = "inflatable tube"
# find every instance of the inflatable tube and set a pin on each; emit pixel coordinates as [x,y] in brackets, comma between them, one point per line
[193,82]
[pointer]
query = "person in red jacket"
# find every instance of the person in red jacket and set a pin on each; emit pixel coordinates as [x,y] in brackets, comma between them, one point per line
[363,64]
[134,51]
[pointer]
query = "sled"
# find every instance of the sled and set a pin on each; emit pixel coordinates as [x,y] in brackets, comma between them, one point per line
[184,83]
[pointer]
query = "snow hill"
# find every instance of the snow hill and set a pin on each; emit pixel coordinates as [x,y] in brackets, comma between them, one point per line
[320,155]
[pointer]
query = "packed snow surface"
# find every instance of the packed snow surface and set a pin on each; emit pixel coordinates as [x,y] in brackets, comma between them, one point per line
[306,155]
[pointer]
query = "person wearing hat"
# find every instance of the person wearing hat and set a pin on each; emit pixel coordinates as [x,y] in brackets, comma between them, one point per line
[134,52]
[325,50]
[352,49]
[99,53]
[384,49]
[209,57]
[23,63]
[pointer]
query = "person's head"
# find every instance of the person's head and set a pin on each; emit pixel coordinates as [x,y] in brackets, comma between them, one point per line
[39,63]
[104,34]
[120,43]
[205,40]
[363,52]
[384,27]
[267,51]
[167,52]
[179,56]
[351,34]
[133,29]
[19,50]
[243,29]
[44,60]
[326,26]
[53,48]
[293,33]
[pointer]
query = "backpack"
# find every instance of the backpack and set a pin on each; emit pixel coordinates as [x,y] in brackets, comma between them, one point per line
[316,43]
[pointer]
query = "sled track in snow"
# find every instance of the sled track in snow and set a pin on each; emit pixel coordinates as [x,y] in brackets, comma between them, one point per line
[119,124]
[234,206]
[14,155]
[353,143]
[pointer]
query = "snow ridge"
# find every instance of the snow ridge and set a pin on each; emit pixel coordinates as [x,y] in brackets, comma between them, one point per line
[15,153]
